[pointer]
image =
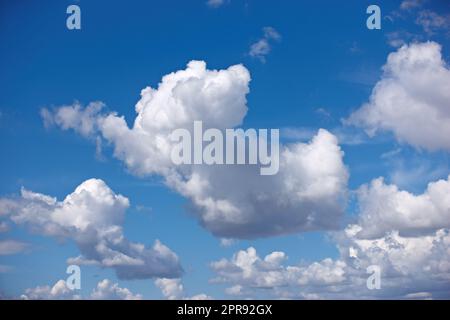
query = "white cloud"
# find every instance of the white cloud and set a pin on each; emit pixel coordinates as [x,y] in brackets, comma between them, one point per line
[200,296]
[92,216]
[432,22]
[172,289]
[261,48]
[307,194]
[8,247]
[411,4]
[408,265]
[326,272]
[412,99]
[4,227]
[107,290]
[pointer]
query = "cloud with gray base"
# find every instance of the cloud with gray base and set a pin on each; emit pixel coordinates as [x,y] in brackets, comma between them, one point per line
[308,192]
[92,216]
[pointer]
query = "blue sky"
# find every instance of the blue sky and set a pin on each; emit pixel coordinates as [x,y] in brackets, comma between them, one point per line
[323,68]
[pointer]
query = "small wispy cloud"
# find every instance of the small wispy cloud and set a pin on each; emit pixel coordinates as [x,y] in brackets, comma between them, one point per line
[411,4]
[431,22]
[345,135]
[8,247]
[261,48]
[226,242]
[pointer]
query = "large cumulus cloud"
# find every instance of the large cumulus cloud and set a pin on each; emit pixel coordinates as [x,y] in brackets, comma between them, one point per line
[231,201]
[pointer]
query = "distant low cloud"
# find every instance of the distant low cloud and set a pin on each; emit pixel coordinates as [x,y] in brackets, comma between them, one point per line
[249,274]
[432,22]
[92,216]
[384,208]
[308,193]
[263,46]
[173,289]
[105,290]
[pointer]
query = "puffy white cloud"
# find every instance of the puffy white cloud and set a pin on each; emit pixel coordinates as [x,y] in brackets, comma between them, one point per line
[263,46]
[231,201]
[92,216]
[409,265]
[411,4]
[326,272]
[246,271]
[59,291]
[173,289]
[308,193]
[82,120]
[107,290]
[8,247]
[200,296]
[412,99]
[384,208]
